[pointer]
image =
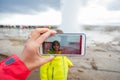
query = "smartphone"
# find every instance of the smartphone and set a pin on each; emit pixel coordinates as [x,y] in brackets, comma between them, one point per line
[70,44]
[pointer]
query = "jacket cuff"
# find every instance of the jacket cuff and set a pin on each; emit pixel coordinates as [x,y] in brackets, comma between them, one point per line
[14,67]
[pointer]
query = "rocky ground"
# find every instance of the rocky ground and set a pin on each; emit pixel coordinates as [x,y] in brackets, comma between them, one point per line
[101,62]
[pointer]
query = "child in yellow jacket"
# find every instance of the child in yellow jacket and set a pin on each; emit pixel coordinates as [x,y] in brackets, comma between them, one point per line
[57,69]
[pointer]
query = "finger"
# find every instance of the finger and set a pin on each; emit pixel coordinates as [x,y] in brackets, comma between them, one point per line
[45,60]
[36,33]
[44,36]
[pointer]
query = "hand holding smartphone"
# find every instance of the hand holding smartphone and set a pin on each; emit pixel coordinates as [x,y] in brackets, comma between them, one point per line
[70,44]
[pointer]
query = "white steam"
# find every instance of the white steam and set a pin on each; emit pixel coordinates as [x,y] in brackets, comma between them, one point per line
[70,10]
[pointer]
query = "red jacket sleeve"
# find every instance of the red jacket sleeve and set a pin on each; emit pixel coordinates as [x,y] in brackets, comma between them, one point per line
[13,68]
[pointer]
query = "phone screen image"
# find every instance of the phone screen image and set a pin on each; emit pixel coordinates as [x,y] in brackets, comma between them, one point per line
[64,44]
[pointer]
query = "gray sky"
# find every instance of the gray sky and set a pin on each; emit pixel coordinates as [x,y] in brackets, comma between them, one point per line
[48,12]
[31,6]
[28,6]
[30,12]
[114,5]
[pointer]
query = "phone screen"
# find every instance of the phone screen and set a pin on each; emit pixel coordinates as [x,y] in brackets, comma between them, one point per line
[64,44]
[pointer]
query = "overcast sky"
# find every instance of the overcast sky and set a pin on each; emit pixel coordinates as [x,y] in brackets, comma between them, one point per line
[100,12]
[31,12]
[48,12]
[28,6]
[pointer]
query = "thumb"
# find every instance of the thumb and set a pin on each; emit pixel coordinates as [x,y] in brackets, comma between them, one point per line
[45,60]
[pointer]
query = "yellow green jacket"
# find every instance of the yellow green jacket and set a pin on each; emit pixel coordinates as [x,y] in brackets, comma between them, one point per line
[57,69]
